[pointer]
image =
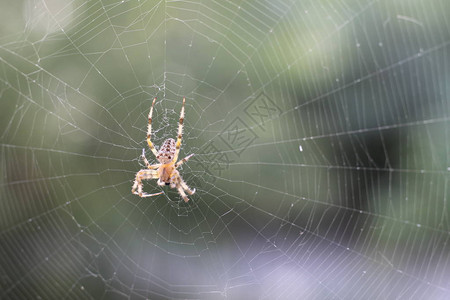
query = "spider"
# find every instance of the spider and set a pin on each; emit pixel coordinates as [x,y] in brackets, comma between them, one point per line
[166,170]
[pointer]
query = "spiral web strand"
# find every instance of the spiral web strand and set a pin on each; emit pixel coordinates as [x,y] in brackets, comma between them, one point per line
[321,138]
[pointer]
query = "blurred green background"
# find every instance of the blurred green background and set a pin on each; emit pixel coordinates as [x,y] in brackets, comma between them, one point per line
[321,138]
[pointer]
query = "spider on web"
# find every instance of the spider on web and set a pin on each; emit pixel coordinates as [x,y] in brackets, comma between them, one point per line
[166,170]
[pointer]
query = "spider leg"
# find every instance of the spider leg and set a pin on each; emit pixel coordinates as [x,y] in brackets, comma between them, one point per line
[147,164]
[183,160]
[182,193]
[185,186]
[180,132]
[177,182]
[144,175]
[149,130]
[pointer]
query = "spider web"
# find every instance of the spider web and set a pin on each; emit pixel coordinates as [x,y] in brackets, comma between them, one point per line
[321,139]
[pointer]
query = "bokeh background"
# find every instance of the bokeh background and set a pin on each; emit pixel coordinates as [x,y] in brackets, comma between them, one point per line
[321,139]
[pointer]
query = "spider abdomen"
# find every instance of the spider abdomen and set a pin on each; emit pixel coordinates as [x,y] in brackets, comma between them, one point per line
[167,151]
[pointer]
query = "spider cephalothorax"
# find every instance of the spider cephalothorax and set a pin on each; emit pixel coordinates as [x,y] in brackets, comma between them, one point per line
[166,171]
